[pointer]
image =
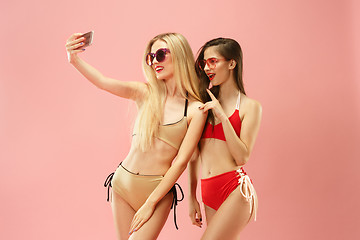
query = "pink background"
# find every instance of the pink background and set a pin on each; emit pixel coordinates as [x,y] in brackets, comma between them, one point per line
[60,136]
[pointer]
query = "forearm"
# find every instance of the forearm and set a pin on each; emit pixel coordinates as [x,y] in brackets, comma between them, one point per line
[88,71]
[236,146]
[166,183]
[193,168]
[186,150]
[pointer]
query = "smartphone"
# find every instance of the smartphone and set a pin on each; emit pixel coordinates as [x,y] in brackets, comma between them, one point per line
[88,39]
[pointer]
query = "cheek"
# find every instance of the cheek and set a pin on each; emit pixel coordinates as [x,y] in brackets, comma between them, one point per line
[220,73]
[169,67]
[224,71]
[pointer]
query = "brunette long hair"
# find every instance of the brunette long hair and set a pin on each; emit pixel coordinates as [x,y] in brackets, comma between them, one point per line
[230,50]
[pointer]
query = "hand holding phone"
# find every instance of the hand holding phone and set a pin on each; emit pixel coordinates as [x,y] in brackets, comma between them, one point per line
[88,39]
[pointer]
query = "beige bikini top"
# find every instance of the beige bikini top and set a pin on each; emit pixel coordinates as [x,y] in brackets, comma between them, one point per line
[174,133]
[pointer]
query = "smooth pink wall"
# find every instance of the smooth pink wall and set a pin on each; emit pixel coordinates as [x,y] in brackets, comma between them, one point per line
[60,136]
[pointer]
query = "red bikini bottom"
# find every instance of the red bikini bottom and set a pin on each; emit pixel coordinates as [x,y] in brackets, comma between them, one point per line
[216,189]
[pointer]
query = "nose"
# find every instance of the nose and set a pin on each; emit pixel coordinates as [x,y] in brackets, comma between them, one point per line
[154,61]
[206,68]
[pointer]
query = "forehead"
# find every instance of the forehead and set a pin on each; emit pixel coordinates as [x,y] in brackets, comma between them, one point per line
[157,45]
[212,52]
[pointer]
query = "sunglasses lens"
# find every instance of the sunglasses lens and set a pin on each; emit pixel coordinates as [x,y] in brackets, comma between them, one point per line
[149,59]
[212,62]
[160,55]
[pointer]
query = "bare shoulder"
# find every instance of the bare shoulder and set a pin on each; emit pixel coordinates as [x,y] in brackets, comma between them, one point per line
[194,104]
[193,109]
[249,105]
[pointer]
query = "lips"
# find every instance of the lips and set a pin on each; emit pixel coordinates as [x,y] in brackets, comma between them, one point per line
[159,69]
[211,76]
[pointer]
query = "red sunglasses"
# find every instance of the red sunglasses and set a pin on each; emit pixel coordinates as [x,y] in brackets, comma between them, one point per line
[160,56]
[211,62]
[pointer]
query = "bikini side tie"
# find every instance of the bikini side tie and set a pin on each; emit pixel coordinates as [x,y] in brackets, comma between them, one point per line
[249,193]
[176,200]
[108,184]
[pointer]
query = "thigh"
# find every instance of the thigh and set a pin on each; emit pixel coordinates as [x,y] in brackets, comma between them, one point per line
[122,214]
[209,213]
[151,229]
[231,218]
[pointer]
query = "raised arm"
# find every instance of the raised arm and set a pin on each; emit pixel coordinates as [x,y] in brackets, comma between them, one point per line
[131,90]
[191,139]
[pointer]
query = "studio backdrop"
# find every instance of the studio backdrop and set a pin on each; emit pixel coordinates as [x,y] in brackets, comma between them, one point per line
[60,136]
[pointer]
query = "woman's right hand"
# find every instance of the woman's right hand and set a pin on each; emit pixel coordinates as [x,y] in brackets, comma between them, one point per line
[215,106]
[195,212]
[73,46]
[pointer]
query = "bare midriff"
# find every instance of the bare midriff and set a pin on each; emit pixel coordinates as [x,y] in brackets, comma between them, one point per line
[215,157]
[155,161]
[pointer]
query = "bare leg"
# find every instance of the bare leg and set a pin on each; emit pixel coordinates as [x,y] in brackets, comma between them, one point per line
[230,219]
[151,229]
[123,215]
[209,213]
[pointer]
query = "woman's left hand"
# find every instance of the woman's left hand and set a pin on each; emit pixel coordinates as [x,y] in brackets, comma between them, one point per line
[215,106]
[141,216]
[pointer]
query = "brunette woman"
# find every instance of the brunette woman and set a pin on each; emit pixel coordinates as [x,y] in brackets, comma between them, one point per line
[226,143]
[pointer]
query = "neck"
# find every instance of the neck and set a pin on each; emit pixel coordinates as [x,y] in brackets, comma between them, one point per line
[228,89]
[171,89]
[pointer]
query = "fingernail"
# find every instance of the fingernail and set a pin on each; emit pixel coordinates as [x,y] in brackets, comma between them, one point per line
[82,43]
[83,49]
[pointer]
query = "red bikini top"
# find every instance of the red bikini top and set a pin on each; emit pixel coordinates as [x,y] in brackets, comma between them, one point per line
[218,132]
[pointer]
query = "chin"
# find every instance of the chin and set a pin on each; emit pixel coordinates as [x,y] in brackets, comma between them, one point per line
[163,77]
[213,83]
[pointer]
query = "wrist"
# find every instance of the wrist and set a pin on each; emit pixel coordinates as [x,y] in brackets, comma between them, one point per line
[151,203]
[192,197]
[73,59]
[223,118]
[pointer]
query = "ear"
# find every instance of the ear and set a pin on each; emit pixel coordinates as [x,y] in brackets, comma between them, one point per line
[232,64]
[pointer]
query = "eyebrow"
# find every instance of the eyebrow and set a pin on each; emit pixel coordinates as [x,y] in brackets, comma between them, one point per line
[210,58]
[160,48]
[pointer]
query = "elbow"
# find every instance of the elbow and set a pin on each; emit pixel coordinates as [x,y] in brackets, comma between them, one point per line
[181,165]
[242,160]
[101,84]
[195,156]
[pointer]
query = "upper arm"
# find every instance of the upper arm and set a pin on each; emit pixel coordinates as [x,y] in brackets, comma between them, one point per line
[251,123]
[197,120]
[126,89]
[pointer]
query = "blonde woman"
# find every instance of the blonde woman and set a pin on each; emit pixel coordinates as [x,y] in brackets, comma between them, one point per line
[166,132]
[226,143]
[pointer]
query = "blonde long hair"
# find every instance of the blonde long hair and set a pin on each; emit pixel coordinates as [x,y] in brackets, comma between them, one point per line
[187,83]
